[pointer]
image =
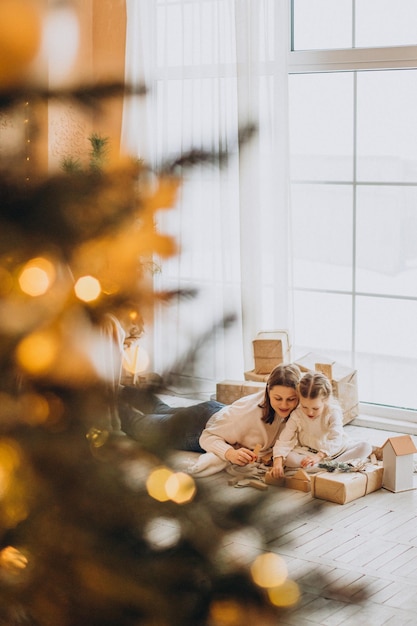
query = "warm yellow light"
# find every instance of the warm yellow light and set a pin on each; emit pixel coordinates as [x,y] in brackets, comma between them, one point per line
[97,437]
[87,288]
[180,488]
[34,281]
[285,595]
[269,570]
[36,277]
[156,483]
[37,352]
[12,560]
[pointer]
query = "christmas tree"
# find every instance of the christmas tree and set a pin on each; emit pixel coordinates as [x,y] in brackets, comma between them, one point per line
[95,528]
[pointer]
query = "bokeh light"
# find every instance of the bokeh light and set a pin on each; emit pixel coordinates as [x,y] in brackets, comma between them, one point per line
[36,277]
[180,488]
[156,483]
[87,288]
[36,353]
[269,570]
[162,533]
[286,595]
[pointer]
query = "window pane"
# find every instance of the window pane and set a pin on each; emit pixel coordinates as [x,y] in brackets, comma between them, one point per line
[321,126]
[323,323]
[321,24]
[322,236]
[386,340]
[385,23]
[387,240]
[387,126]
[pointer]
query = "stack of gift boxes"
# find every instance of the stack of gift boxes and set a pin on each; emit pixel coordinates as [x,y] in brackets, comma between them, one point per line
[271,348]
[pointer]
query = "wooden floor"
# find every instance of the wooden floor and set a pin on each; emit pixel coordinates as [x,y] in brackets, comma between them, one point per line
[355,564]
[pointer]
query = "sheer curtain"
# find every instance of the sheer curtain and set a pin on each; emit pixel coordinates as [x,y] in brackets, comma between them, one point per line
[213,66]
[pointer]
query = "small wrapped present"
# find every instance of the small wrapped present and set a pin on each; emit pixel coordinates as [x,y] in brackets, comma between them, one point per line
[343,487]
[228,391]
[344,381]
[271,348]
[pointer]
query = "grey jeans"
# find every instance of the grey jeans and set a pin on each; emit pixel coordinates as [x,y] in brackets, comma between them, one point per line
[145,417]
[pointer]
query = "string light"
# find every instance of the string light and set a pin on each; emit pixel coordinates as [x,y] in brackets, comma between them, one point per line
[27,154]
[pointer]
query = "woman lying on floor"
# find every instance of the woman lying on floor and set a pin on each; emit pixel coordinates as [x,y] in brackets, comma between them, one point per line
[239,433]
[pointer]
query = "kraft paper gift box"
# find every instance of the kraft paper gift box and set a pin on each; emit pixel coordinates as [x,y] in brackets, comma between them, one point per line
[252,375]
[270,348]
[344,381]
[343,487]
[228,391]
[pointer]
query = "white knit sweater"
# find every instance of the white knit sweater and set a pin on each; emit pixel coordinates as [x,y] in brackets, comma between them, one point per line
[324,433]
[240,425]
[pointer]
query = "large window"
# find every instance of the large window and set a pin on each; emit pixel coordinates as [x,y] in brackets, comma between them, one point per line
[353,144]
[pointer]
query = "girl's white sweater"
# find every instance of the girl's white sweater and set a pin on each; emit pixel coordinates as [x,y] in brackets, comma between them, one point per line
[324,433]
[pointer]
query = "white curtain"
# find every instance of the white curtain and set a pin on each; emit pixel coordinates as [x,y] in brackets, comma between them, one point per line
[213,66]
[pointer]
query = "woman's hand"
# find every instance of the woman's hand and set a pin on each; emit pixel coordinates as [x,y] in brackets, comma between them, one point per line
[242,456]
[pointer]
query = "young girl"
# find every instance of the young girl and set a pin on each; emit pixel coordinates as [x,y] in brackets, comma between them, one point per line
[224,434]
[314,430]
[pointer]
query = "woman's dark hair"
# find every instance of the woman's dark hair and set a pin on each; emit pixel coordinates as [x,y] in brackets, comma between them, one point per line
[284,375]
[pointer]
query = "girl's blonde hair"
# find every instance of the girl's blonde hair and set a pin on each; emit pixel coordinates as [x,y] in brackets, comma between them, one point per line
[315,385]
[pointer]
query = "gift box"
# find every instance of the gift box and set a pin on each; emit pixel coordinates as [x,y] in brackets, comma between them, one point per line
[270,348]
[343,487]
[252,375]
[344,381]
[228,391]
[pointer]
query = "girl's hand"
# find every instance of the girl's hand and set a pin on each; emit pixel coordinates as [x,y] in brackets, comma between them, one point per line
[277,470]
[309,461]
[242,456]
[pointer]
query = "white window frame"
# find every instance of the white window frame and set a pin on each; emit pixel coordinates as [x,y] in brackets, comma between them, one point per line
[363,59]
